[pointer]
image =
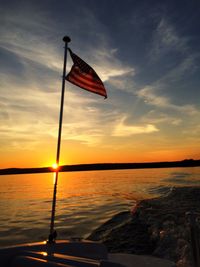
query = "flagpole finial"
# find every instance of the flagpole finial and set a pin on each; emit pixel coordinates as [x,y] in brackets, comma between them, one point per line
[66,39]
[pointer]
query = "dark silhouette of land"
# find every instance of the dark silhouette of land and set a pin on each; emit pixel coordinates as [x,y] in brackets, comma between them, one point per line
[104,166]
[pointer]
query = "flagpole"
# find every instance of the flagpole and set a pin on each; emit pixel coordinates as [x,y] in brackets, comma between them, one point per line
[52,234]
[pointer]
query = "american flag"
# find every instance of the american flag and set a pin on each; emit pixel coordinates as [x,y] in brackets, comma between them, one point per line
[82,75]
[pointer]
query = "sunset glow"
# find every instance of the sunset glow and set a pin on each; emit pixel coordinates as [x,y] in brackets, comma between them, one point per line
[55,166]
[147,58]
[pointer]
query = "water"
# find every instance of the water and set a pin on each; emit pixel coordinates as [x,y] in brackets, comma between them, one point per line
[84,200]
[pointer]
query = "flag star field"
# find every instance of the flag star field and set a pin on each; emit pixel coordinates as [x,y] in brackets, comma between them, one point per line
[147,55]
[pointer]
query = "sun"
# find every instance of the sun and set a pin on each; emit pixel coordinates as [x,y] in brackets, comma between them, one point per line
[55,166]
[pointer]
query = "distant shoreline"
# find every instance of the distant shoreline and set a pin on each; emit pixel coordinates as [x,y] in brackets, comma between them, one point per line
[103,166]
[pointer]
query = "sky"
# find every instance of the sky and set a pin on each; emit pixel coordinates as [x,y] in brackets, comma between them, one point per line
[147,54]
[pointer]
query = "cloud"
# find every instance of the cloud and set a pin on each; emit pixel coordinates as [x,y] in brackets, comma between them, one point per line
[177,67]
[122,130]
[150,96]
[32,58]
[166,39]
[108,65]
[30,103]
[27,119]
[155,117]
[33,116]
[187,66]
[174,50]
[29,38]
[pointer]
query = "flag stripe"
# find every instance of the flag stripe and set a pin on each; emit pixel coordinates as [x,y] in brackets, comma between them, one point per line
[82,75]
[81,78]
[83,85]
[86,77]
[88,88]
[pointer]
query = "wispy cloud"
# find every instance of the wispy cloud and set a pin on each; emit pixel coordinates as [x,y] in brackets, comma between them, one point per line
[166,39]
[123,130]
[33,42]
[108,65]
[151,97]
[143,98]
[30,104]
[173,49]
[29,38]
[172,53]
[155,117]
